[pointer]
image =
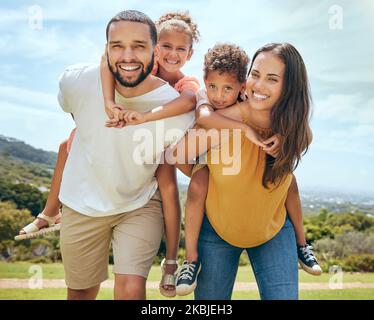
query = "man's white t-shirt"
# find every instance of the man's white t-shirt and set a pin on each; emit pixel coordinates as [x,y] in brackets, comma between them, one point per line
[108,170]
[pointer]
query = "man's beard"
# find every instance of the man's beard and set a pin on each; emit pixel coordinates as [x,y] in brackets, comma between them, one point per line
[142,76]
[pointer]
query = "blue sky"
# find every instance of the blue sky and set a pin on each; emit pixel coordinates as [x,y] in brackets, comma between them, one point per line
[334,37]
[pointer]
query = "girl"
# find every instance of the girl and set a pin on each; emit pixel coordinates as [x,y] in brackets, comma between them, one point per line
[225,67]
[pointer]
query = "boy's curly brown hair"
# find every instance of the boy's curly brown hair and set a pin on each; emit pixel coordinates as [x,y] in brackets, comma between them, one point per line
[180,21]
[229,58]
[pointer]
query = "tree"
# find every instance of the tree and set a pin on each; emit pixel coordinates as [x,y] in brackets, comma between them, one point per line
[12,220]
[23,195]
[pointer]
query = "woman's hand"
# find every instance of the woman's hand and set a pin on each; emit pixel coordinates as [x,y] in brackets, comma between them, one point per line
[273,145]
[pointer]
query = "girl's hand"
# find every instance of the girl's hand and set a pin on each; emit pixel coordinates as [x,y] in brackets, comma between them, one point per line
[132,117]
[252,135]
[273,145]
[115,114]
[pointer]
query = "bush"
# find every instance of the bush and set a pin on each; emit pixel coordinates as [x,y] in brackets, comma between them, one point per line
[353,263]
[11,221]
[23,195]
[364,263]
[330,225]
[345,245]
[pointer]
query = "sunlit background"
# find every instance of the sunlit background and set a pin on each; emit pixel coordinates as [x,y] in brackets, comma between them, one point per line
[39,39]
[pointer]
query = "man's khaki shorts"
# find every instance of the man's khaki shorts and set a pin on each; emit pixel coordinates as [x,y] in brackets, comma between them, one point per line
[85,243]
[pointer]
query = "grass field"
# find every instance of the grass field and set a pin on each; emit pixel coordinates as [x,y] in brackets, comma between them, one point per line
[107,294]
[55,271]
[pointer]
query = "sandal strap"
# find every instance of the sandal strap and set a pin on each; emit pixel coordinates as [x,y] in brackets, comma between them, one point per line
[50,220]
[31,227]
[168,280]
[170,261]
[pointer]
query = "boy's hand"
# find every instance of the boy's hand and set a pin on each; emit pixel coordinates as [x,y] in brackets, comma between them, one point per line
[115,115]
[273,145]
[132,117]
[253,136]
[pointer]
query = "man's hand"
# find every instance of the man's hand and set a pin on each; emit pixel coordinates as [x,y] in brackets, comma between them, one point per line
[252,135]
[273,145]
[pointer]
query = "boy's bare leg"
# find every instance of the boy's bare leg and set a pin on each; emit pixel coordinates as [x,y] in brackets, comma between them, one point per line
[167,181]
[53,204]
[294,209]
[195,205]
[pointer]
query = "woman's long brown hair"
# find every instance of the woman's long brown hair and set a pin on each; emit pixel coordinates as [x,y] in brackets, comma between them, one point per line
[289,117]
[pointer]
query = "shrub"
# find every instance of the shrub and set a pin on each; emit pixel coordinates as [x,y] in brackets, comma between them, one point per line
[353,263]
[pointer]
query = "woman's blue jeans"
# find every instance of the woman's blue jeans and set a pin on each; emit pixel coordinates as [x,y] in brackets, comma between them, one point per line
[274,264]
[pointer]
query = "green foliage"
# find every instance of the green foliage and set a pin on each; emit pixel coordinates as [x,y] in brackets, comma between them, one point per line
[352,263]
[329,225]
[363,263]
[12,220]
[21,163]
[15,171]
[345,239]
[23,195]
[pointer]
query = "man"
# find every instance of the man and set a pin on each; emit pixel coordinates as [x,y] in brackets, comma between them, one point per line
[109,190]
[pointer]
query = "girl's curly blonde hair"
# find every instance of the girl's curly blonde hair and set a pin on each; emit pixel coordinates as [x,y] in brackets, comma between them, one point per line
[180,21]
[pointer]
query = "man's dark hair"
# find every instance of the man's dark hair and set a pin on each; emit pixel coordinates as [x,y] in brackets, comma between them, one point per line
[134,16]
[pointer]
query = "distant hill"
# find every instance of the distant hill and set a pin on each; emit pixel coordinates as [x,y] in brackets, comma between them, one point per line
[22,163]
[22,151]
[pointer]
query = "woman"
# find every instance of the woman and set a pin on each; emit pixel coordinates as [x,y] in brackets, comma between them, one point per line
[246,211]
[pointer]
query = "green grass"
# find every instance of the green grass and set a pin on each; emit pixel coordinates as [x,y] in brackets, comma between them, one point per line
[107,294]
[56,271]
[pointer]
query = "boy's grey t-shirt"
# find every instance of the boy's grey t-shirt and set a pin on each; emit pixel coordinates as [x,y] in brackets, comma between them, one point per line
[109,170]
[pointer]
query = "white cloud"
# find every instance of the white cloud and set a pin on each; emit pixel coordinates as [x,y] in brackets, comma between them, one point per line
[52,44]
[40,128]
[349,109]
[28,99]
[349,140]
[345,124]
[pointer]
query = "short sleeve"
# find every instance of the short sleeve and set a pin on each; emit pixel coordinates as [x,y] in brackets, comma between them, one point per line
[68,85]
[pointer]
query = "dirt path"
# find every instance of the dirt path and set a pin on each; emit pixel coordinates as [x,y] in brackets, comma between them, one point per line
[239,286]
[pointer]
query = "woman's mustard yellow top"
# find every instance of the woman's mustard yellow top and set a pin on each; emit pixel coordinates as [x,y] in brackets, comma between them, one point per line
[240,209]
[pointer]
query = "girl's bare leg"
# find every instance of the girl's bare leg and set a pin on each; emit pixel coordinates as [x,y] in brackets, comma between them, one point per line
[167,181]
[53,204]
